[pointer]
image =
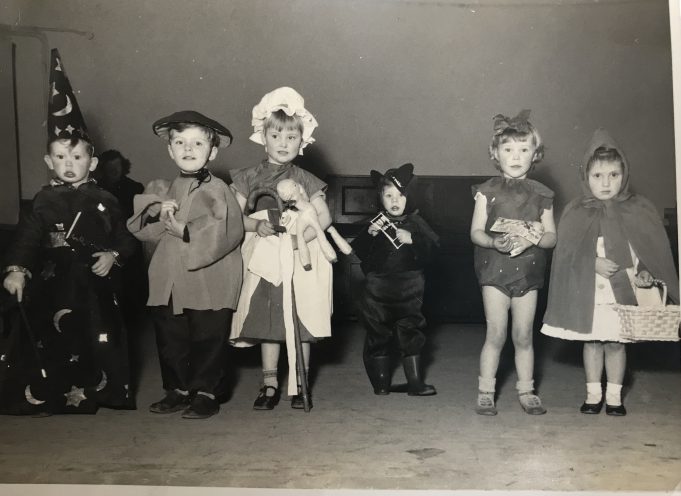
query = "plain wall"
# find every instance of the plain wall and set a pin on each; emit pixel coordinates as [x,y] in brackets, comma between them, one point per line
[389,81]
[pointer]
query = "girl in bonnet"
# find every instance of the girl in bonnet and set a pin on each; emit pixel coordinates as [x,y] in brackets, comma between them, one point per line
[610,241]
[284,127]
[512,228]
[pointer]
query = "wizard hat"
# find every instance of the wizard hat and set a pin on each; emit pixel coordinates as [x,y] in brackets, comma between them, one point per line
[400,177]
[64,119]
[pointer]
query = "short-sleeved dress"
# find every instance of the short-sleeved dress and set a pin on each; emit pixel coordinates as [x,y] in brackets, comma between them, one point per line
[265,319]
[523,199]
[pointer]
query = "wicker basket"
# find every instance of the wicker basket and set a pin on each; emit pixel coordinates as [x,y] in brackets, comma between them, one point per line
[650,323]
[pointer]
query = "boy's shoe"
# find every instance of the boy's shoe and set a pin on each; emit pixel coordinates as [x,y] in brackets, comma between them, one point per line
[485,405]
[173,402]
[264,402]
[615,411]
[201,407]
[531,403]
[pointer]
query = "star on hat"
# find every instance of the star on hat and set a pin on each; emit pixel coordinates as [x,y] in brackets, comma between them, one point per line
[64,118]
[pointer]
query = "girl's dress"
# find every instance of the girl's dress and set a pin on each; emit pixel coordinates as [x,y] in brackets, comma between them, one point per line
[80,339]
[627,230]
[522,199]
[263,310]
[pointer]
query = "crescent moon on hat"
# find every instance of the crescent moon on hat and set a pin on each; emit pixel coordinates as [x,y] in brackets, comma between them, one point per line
[102,383]
[57,317]
[66,110]
[30,398]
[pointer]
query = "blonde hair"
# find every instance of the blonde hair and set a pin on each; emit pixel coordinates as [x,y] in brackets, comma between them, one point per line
[511,134]
[280,120]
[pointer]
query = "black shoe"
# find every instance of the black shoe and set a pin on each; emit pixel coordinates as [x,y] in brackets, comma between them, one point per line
[615,411]
[264,402]
[173,402]
[415,384]
[298,403]
[591,408]
[378,370]
[201,407]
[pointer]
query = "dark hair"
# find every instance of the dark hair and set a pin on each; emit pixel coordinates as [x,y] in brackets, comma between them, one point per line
[213,137]
[111,155]
[73,142]
[604,154]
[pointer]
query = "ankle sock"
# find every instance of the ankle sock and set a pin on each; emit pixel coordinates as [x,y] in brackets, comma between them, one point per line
[594,392]
[525,386]
[181,392]
[209,395]
[270,379]
[613,394]
[487,385]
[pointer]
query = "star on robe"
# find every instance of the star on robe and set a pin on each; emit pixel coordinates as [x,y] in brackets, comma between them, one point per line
[104,337]
[74,358]
[75,396]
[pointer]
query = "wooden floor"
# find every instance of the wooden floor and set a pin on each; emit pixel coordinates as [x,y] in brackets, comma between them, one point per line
[353,439]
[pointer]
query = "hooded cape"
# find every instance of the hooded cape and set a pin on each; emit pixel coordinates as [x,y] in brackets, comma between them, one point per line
[571,291]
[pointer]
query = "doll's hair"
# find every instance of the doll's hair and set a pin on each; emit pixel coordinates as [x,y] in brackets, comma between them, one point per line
[213,137]
[111,155]
[280,120]
[511,134]
[604,154]
[72,143]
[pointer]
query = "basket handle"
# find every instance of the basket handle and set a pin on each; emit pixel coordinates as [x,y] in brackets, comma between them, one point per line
[661,284]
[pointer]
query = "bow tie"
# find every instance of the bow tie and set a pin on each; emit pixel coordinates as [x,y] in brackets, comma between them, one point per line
[201,175]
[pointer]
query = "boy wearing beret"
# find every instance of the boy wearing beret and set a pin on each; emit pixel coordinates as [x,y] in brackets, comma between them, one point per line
[195,272]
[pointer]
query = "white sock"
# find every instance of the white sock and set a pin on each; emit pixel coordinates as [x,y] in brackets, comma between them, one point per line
[486,385]
[594,392]
[613,394]
[525,386]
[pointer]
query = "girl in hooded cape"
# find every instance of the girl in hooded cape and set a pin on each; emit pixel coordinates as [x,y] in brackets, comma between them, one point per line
[611,243]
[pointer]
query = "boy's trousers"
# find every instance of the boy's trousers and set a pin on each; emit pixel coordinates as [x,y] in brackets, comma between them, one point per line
[191,347]
[392,303]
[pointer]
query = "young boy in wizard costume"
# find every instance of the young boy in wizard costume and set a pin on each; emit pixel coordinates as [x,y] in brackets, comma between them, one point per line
[69,246]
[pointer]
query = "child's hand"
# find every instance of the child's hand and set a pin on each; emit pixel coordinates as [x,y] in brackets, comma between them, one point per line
[168,207]
[15,282]
[173,226]
[373,230]
[606,267]
[502,243]
[265,228]
[644,279]
[404,236]
[105,261]
[519,245]
[154,209]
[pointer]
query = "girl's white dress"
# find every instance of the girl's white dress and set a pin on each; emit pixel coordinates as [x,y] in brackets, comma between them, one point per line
[606,324]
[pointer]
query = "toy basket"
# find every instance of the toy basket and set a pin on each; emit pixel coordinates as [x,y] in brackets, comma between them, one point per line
[650,323]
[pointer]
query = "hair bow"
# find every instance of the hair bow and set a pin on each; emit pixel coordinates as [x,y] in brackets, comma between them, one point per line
[518,123]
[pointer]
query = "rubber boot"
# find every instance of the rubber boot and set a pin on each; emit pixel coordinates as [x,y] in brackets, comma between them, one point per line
[378,370]
[415,384]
